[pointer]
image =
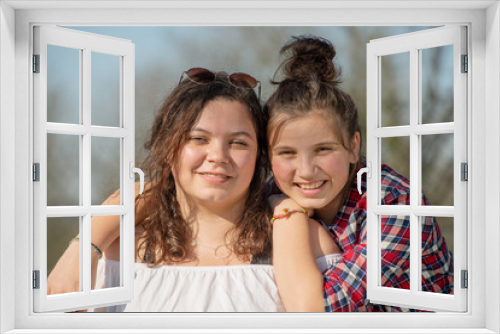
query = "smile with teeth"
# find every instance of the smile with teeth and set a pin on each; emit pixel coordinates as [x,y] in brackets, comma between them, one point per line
[310,185]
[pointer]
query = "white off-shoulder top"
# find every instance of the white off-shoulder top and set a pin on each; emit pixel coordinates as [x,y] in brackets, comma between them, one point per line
[238,288]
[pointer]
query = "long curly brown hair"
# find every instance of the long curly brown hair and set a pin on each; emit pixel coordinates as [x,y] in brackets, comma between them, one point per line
[167,235]
[311,84]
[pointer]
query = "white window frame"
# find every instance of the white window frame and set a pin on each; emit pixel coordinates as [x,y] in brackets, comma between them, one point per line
[86,44]
[412,44]
[16,21]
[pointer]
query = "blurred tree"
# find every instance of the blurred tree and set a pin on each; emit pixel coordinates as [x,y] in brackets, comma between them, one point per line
[163,53]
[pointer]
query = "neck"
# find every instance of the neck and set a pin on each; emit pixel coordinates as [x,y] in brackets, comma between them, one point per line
[329,212]
[212,228]
[211,224]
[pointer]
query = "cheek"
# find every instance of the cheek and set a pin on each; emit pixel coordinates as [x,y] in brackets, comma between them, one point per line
[337,166]
[246,161]
[282,170]
[190,155]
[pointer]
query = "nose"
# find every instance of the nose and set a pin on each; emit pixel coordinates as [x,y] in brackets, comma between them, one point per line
[217,153]
[305,166]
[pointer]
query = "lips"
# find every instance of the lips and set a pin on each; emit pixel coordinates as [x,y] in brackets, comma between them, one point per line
[214,175]
[310,185]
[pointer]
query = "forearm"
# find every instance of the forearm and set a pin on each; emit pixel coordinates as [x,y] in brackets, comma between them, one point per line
[105,230]
[299,280]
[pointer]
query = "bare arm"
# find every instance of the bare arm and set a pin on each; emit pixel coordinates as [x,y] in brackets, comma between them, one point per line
[297,241]
[105,233]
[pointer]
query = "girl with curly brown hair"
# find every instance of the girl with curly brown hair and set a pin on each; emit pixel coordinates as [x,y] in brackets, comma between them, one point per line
[202,224]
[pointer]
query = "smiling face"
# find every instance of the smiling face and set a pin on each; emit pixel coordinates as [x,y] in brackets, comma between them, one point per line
[310,164]
[216,164]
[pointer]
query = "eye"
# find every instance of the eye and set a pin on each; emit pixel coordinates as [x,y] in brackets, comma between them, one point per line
[240,143]
[198,139]
[286,153]
[324,149]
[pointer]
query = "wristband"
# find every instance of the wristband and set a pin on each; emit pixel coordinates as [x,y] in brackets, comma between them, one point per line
[93,246]
[287,212]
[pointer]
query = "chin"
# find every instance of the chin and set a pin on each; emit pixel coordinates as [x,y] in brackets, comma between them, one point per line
[211,196]
[312,203]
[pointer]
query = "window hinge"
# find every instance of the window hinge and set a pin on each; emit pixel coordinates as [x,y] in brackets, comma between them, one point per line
[36,172]
[465,64]
[464,171]
[36,63]
[36,279]
[465,279]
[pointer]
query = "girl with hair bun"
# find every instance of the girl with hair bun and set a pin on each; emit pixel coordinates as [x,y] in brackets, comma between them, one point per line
[314,146]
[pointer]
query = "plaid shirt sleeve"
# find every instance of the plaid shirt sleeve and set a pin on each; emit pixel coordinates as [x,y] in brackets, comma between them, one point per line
[345,282]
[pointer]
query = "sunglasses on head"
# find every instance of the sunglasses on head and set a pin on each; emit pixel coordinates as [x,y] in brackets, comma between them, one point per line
[239,80]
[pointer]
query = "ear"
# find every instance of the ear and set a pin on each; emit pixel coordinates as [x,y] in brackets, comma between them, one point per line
[355,147]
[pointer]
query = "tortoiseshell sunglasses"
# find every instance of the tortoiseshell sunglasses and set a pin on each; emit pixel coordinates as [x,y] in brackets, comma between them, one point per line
[239,80]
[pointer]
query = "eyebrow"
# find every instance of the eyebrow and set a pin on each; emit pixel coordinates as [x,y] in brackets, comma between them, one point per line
[327,143]
[235,134]
[281,147]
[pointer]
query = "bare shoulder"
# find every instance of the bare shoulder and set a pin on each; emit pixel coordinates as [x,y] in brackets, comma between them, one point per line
[315,226]
[114,198]
[318,230]
[322,240]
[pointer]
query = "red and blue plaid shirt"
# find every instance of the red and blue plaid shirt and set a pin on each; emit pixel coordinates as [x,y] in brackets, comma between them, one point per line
[345,282]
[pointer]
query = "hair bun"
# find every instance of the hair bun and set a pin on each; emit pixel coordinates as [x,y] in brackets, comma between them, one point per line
[310,58]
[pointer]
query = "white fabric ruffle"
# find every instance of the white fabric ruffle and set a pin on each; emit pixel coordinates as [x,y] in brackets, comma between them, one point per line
[240,288]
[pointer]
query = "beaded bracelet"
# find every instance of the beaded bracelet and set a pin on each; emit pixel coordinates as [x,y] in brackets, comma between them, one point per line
[287,213]
[93,246]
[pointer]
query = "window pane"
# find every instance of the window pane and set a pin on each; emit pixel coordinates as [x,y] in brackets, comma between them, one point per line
[437,169]
[60,232]
[105,168]
[105,90]
[395,89]
[395,152]
[435,258]
[437,84]
[108,270]
[63,84]
[395,251]
[63,170]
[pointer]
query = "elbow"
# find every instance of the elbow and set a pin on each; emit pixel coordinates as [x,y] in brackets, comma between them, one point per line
[303,294]
[307,306]
[308,300]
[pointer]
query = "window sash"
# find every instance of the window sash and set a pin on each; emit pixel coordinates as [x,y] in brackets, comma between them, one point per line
[86,43]
[412,43]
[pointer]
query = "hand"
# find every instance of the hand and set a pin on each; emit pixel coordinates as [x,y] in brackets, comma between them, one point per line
[275,200]
[280,202]
[65,277]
